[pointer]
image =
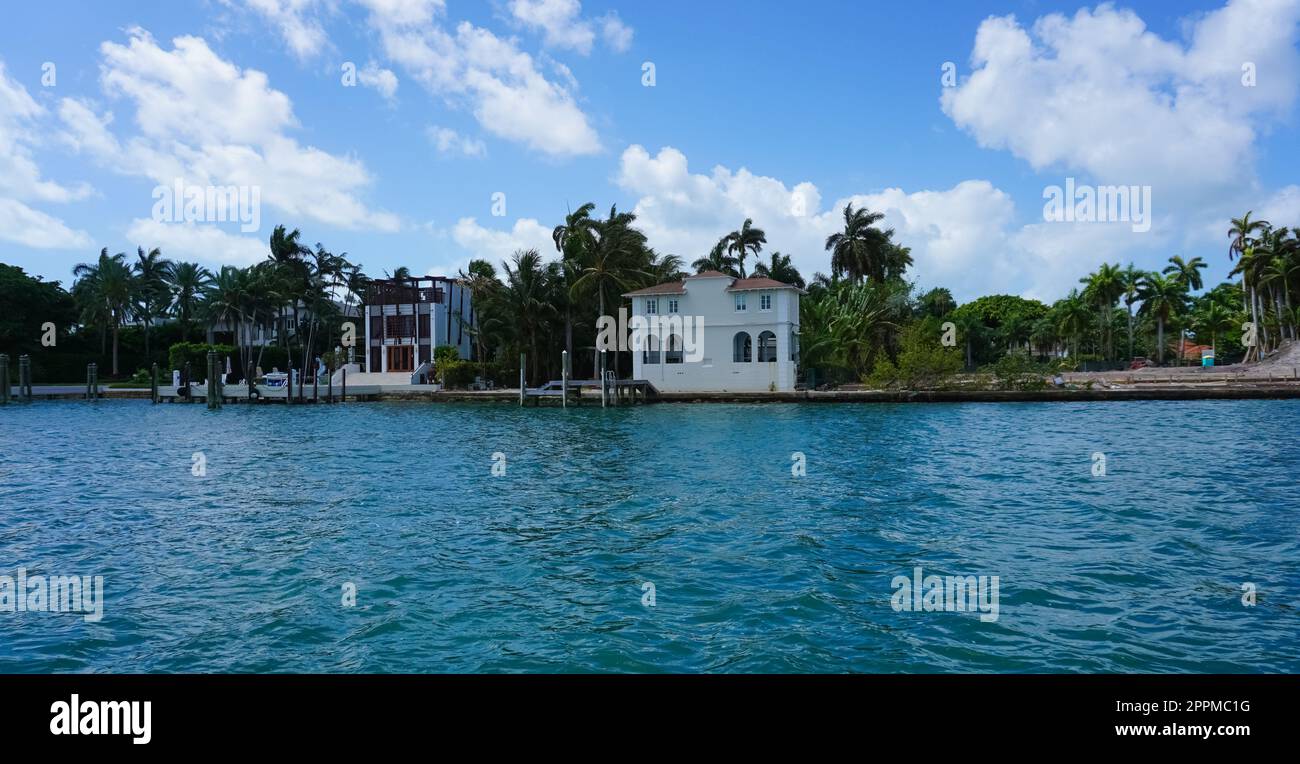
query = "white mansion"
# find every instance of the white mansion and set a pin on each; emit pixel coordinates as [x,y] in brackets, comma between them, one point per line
[748,342]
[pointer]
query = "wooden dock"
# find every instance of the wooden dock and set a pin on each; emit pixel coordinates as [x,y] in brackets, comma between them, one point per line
[619,391]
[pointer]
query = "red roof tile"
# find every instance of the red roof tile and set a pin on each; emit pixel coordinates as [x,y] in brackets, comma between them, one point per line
[671,287]
[758,282]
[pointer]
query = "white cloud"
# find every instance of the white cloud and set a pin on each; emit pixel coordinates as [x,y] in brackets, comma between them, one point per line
[473,68]
[496,245]
[296,22]
[965,238]
[560,21]
[1100,94]
[382,80]
[202,119]
[22,128]
[617,34]
[23,225]
[451,143]
[188,241]
[563,26]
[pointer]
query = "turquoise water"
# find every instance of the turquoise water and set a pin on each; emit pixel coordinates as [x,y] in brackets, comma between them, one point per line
[543,568]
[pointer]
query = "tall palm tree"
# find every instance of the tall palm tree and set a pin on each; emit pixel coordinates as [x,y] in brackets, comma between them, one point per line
[187,283]
[522,308]
[743,241]
[780,269]
[1103,288]
[288,254]
[1214,320]
[1072,317]
[717,260]
[111,284]
[152,293]
[860,250]
[1162,297]
[227,300]
[1243,232]
[574,239]
[1188,274]
[1131,278]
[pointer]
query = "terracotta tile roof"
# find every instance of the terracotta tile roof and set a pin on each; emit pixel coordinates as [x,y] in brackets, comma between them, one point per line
[710,275]
[758,282]
[671,287]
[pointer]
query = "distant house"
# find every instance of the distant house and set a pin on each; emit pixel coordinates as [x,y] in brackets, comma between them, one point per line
[268,334]
[747,338]
[407,318]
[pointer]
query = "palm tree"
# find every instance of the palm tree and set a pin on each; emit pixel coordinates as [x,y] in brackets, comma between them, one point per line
[1216,318]
[780,269]
[522,308]
[287,252]
[1072,317]
[152,294]
[227,300]
[1162,296]
[1103,288]
[574,240]
[1243,232]
[110,286]
[1188,274]
[1131,279]
[480,279]
[860,250]
[743,241]
[187,282]
[717,260]
[937,302]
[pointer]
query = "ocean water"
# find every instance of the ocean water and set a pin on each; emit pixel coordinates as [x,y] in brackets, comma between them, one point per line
[545,568]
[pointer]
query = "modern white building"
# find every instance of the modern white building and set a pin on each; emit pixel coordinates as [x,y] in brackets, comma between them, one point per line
[407,318]
[747,338]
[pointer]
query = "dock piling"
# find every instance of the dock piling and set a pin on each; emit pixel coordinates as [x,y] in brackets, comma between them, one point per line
[523,362]
[564,379]
[344,380]
[25,378]
[4,379]
[153,384]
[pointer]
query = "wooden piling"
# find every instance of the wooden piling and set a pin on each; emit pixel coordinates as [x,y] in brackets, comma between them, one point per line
[153,384]
[564,379]
[4,379]
[523,361]
[344,380]
[25,378]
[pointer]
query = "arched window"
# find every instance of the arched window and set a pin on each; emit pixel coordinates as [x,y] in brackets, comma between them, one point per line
[742,348]
[673,350]
[651,352]
[794,345]
[767,347]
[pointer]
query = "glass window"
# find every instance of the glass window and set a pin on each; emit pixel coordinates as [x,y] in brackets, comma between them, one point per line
[673,352]
[651,307]
[765,302]
[672,306]
[740,303]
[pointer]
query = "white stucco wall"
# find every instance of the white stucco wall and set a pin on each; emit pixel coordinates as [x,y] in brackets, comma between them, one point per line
[716,371]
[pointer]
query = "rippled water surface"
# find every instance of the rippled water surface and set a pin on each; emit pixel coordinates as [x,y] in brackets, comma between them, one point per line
[753,569]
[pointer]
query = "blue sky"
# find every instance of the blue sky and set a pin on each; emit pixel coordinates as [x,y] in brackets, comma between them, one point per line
[778,112]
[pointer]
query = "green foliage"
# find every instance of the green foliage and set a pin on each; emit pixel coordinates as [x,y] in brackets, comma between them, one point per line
[1018,371]
[923,362]
[196,353]
[28,303]
[445,354]
[456,374]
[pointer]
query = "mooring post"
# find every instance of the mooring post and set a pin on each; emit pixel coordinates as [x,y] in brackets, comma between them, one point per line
[185,383]
[344,380]
[153,384]
[315,387]
[564,379]
[288,387]
[94,381]
[87,395]
[329,387]
[25,378]
[604,382]
[523,361]
[4,379]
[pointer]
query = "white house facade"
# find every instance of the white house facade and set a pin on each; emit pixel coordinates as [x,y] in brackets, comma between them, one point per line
[746,337]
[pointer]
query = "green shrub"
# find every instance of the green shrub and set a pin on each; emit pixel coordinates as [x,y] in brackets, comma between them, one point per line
[1018,371]
[196,353]
[923,362]
[456,374]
